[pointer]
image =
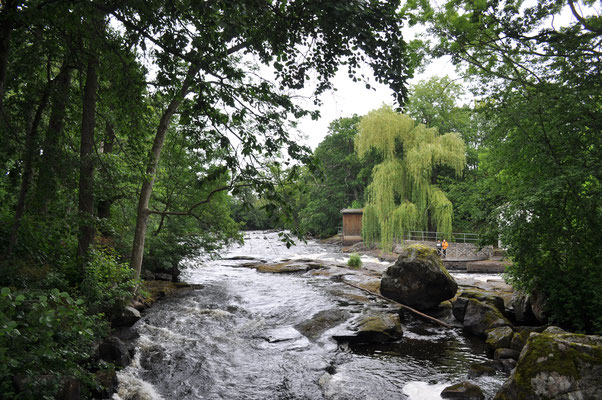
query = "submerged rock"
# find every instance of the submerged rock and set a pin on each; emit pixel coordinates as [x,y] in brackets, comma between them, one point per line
[487,368]
[463,391]
[418,279]
[321,322]
[556,365]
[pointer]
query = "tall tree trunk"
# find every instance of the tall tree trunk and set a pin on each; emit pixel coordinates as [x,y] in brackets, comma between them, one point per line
[6,26]
[151,170]
[28,157]
[104,205]
[46,180]
[86,161]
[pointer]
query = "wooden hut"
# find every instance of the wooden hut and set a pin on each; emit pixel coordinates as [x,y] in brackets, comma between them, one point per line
[352,225]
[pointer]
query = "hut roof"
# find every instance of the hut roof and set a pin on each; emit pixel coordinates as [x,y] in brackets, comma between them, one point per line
[352,211]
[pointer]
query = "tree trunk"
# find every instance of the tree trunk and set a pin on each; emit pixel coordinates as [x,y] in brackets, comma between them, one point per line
[28,157]
[104,205]
[86,162]
[151,169]
[46,181]
[6,26]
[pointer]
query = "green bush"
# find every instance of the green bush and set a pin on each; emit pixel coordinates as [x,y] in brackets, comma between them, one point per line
[44,336]
[108,284]
[354,261]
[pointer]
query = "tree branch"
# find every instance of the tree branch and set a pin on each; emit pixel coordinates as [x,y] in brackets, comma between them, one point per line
[200,203]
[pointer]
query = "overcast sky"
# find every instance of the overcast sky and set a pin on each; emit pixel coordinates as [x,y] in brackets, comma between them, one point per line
[353,98]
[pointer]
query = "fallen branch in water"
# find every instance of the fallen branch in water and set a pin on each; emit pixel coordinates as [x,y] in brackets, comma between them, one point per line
[400,304]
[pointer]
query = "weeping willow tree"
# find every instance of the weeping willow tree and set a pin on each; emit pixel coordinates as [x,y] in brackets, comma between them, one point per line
[402,196]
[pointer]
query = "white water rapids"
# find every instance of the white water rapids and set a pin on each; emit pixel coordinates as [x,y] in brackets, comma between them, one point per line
[234,337]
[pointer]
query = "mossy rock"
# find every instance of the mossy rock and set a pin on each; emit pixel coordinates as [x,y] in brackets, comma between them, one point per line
[155,290]
[556,366]
[374,328]
[418,279]
[481,317]
[486,297]
[521,335]
[372,285]
[499,337]
[504,352]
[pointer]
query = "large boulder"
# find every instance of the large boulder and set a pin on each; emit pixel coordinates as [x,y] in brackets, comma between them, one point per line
[418,279]
[556,365]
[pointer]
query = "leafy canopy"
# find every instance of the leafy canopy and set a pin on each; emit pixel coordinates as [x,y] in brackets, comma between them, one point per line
[402,195]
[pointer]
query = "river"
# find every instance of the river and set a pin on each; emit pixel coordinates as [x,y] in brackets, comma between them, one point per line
[233,337]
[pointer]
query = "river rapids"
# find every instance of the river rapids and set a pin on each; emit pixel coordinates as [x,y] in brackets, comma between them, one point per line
[233,337]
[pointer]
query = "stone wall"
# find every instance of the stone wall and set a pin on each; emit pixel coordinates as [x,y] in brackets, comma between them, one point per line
[466,251]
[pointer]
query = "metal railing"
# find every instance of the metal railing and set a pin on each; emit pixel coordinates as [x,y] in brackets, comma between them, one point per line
[458,237]
[425,236]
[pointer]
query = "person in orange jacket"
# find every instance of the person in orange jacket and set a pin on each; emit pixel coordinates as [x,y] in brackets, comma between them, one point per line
[444,246]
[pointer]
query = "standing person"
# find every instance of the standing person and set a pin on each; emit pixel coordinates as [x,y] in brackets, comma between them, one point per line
[444,246]
[439,247]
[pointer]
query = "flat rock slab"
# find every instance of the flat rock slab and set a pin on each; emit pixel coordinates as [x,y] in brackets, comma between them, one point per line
[288,267]
[321,322]
[487,266]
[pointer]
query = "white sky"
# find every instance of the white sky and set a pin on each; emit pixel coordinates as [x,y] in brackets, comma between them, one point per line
[353,98]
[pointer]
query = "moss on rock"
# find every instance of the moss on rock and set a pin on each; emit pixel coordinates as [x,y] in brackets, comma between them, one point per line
[499,337]
[555,366]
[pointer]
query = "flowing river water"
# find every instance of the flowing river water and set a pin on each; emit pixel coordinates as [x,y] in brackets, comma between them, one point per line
[233,337]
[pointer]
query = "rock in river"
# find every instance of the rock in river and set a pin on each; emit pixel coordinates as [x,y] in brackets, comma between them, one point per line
[373,327]
[556,365]
[321,322]
[463,391]
[481,317]
[418,279]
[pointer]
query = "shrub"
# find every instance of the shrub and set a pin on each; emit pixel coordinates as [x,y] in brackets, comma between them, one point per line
[44,336]
[108,284]
[354,261]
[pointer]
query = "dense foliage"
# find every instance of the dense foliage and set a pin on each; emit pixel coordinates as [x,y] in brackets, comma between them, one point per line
[43,336]
[542,89]
[126,128]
